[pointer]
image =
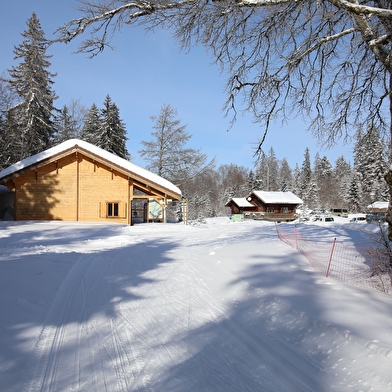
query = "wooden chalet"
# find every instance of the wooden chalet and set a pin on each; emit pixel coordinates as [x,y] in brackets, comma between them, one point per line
[77,181]
[239,205]
[379,206]
[273,206]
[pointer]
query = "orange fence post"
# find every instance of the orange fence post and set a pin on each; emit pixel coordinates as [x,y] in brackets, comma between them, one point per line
[330,258]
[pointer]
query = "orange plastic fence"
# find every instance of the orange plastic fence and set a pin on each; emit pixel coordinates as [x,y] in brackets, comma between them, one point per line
[342,261]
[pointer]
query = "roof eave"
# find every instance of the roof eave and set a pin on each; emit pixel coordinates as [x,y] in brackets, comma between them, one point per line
[77,149]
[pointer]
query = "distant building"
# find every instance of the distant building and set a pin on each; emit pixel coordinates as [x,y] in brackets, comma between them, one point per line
[378,206]
[377,212]
[240,205]
[273,206]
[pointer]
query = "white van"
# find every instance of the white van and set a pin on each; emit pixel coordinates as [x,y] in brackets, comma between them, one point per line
[343,212]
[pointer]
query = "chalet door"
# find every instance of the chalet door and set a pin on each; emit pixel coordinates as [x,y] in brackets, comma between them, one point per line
[138,211]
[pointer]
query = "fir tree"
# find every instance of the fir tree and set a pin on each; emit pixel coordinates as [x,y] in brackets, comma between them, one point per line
[32,81]
[112,136]
[273,171]
[354,193]
[322,168]
[9,132]
[251,181]
[262,176]
[306,175]
[342,175]
[91,127]
[8,126]
[297,180]
[285,176]
[66,126]
[311,198]
[342,168]
[370,164]
[326,183]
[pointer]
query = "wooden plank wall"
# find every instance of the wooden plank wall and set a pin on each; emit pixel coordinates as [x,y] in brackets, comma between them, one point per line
[73,188]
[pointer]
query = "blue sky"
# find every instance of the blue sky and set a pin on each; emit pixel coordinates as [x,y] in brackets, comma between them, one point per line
[145,71]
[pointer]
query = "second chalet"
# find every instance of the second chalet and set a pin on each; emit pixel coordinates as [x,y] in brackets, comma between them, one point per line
[272,206]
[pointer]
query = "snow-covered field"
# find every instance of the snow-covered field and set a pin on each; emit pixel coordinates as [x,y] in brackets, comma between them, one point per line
[220,306]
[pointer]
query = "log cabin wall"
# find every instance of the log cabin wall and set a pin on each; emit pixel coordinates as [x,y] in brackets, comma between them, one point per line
[260,207]
[100,186]
[47,192]
[74,188]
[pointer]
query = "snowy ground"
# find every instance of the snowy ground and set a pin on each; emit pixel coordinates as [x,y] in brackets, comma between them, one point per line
[215,307]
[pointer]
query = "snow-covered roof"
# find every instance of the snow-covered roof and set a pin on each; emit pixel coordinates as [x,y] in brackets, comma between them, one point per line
[99,152]
[277,197]
[241,202]
[379,205]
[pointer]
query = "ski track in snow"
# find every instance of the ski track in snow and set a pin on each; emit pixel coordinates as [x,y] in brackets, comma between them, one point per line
[163,308]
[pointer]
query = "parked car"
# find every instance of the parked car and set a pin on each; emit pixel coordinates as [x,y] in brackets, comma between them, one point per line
[323,219]
[358,219]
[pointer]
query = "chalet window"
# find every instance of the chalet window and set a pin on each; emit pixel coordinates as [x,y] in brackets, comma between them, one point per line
[113,209]
[285,210]
[271,209]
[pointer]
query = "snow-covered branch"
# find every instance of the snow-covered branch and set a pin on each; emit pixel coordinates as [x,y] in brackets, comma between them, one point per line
[103,15]
[361,9]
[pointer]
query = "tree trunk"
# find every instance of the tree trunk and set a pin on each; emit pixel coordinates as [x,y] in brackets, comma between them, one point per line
[388,179]
[388,175]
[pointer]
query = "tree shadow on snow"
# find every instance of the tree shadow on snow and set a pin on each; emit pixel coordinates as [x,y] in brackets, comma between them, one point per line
[159,315]
[51,291]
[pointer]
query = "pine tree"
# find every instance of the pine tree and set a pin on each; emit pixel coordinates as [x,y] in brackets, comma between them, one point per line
[66,126]
[342,175]
[342,168]
[251,181]
[273,171]
[306,176]
[297,180]
[285,176]
[32,81]
[326,183]
[322,168]
[370,164]
[91,127]
[8,127]
[354,193]
[309,191]
[311,198]
[9,132]
[112,136]
[262,170]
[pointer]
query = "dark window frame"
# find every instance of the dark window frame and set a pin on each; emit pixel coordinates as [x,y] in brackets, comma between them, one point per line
[112,209]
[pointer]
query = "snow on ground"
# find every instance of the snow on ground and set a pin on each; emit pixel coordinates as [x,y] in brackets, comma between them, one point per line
[220,306]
